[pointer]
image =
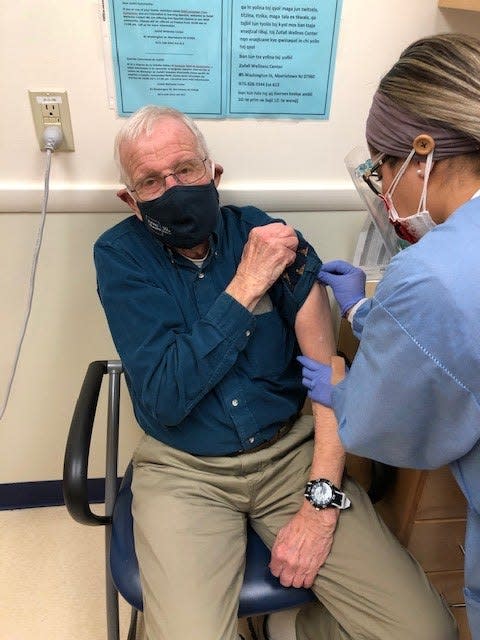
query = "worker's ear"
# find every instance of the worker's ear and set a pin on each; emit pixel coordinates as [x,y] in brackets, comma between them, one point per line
[126,196]
[217,174]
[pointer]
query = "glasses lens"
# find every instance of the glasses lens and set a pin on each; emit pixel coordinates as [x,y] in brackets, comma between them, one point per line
[187,172]
[150,188]
[190,171]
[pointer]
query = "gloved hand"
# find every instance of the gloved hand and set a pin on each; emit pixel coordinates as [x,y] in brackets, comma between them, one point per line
[347,282]
[316,377]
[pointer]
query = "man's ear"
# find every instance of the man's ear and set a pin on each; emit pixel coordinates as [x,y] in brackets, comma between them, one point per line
[218,174]
[127,197]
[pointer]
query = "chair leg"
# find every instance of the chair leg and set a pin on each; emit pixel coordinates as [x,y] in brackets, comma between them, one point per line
[113,626]
[257,627]
[111,594]
[132,631]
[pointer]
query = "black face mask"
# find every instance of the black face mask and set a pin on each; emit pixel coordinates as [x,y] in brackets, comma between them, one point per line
[183,217]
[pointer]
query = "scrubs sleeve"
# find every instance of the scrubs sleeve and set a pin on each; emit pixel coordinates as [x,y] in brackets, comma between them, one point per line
[360,316]
[408,399]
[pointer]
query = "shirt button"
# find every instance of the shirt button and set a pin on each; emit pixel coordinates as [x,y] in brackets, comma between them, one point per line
[235,402]
[201,275]
[248,333]
[251,440]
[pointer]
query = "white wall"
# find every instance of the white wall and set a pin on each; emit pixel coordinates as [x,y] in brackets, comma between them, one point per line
[295,169]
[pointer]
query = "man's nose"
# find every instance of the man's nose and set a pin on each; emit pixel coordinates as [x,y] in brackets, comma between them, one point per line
[170,180]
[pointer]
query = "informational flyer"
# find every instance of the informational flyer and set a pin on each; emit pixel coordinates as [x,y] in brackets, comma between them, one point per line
[219,58]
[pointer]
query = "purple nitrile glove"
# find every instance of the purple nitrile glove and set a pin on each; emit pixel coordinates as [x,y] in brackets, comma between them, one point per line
[347,282]
[316,377]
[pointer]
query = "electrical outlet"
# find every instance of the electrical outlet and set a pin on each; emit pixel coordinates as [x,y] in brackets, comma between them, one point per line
[51,108]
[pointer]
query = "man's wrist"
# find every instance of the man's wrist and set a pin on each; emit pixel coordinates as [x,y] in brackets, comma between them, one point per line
[326,518]
[243,292]
[324,494]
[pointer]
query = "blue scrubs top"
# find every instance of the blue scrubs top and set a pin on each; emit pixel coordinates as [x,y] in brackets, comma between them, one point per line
[412,396]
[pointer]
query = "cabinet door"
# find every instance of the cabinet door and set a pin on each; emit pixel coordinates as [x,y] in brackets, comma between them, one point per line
[438,545]
[460,615]
[449,585]
[441,497]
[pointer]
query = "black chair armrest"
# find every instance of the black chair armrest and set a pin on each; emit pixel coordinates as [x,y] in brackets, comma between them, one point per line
[75,468]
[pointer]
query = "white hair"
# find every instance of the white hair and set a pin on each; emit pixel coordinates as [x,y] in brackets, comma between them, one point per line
[142,122]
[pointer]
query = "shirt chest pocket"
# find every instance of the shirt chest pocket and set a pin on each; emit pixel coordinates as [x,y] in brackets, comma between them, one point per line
[270,349]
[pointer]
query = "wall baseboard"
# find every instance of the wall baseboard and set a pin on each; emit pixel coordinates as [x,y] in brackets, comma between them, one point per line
[46,493]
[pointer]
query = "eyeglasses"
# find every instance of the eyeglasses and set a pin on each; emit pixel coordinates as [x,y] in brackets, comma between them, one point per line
[187,172]
[371,174]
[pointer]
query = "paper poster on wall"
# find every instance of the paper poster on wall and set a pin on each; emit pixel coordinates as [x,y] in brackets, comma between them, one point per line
[219,58]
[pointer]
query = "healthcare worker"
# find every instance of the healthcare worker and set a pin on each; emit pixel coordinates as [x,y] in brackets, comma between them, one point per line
[412,395]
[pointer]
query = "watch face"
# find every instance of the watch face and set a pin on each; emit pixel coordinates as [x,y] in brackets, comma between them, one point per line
[322,493]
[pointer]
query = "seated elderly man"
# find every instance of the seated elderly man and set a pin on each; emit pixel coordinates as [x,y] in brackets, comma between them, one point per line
[209,307]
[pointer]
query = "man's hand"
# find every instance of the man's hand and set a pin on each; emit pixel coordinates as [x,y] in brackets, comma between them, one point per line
[347,282]
[268,251]
[303,545]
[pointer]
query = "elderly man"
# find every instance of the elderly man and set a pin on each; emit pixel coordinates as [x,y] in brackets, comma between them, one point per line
[209,307]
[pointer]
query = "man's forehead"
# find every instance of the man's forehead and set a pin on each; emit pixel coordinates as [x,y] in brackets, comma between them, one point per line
[165,139]
[168,131]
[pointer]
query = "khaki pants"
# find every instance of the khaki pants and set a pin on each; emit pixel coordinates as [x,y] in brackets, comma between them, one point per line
[190,534]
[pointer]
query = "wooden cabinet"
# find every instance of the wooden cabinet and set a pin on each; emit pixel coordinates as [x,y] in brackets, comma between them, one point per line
[469,5]
[427,512]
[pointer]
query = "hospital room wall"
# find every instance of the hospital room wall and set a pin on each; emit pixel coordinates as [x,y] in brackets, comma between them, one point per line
[59,45]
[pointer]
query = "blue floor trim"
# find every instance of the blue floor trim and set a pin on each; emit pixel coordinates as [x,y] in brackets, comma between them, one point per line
[45,493]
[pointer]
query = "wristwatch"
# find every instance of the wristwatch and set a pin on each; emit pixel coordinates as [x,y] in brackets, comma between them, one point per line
[322,493]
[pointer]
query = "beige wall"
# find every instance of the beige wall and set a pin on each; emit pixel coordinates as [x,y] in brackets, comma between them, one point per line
[59,45]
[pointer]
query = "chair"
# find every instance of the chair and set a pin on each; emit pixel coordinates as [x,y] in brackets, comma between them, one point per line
[261,592]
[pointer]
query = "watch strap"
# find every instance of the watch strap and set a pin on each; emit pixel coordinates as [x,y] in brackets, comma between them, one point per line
[340,500]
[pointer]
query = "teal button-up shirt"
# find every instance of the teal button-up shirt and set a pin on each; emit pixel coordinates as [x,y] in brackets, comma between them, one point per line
[205,375]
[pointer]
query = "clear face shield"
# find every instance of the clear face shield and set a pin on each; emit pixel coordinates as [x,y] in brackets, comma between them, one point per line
[358,164]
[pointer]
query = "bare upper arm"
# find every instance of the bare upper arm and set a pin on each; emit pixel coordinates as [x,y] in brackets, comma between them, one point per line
[314,327]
